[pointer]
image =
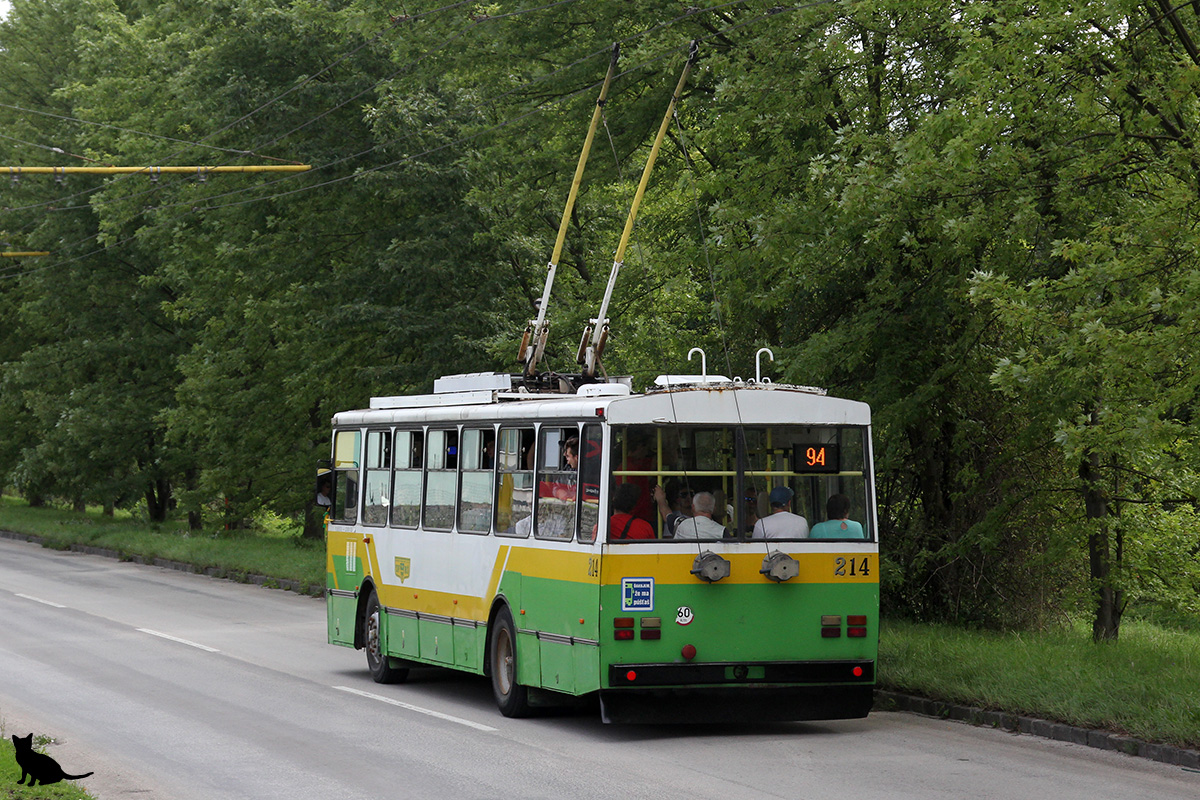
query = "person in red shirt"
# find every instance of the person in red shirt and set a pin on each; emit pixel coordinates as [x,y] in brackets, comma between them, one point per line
[623,524]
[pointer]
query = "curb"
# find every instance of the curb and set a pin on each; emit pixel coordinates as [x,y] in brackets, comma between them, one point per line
[1015,723]
[213,572]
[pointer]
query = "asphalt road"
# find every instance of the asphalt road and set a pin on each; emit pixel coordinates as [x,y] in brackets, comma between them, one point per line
[178,686]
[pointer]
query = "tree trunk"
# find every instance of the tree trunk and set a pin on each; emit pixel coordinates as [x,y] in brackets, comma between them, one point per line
[1107,622]
[192,482]
[314,521]
[158,500]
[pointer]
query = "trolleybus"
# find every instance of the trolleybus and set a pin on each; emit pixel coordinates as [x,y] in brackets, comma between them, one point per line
[538,538]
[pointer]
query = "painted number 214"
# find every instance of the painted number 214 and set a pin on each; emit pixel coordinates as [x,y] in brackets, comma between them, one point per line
[840,565]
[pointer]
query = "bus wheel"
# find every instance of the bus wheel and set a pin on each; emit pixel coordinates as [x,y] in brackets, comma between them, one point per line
[377,661]
[511,697]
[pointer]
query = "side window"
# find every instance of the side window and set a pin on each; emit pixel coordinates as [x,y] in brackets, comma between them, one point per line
[346,446]
[591,448]
[478,455]
[406,482]
[558,483]
[377,478]
[514,479]
[441,479]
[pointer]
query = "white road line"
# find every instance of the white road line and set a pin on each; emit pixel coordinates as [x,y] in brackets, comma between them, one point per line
[40,600]
[177,639]
[418,709]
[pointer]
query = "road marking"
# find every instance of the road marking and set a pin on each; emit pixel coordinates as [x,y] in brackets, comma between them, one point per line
[177,639]
[40,600]
[418,709]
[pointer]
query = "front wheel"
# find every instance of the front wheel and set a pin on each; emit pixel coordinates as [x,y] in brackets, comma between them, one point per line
[377,661]
[511,697]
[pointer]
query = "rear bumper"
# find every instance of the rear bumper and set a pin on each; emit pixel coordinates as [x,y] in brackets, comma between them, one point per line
[749,673]
[742,704]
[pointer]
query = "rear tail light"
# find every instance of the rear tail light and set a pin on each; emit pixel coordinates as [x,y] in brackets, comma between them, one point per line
[856,633]
[622,634]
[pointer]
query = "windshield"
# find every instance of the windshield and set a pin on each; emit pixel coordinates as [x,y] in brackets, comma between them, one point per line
[791,482]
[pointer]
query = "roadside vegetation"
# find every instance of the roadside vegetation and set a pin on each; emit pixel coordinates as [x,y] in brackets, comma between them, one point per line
[10,772]
[1142,685]
[269,547]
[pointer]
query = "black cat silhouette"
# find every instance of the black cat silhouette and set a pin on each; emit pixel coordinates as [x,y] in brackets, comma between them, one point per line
[37,766]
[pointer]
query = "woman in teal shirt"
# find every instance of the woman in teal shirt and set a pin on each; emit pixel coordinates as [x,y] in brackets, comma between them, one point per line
[837,508]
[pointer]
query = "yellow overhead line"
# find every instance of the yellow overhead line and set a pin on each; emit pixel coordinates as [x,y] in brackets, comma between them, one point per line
[152,170]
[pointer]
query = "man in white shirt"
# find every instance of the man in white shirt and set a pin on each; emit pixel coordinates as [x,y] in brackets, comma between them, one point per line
[781,523]
[701,526]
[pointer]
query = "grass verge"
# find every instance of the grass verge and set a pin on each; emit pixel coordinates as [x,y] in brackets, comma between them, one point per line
[1143,685]
[285,557]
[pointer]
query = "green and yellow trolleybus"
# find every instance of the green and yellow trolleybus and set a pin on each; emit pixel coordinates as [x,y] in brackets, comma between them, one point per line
[705,550]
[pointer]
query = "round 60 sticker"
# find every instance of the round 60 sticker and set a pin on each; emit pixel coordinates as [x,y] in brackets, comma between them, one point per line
[684,616]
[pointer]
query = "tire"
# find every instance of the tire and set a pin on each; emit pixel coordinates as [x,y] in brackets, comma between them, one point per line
[511,697]
[377,662]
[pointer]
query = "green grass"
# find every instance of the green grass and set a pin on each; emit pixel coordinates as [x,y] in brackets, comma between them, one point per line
[1143,685]
[274,554]
[10,772]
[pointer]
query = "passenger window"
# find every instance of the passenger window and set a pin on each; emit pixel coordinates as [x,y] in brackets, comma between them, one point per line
[558,483]
[514,478]
[441,453]
[590,450]
[406,481]
[377,478]
[346,446]
[478,456]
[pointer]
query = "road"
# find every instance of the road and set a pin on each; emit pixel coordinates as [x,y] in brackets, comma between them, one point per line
[182,687]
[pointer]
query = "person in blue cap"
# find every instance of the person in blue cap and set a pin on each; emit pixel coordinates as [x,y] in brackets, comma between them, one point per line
[838,526]
[781,523]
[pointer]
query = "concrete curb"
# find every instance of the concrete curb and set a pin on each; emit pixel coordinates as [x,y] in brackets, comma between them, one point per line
[214,572]
[1102,740]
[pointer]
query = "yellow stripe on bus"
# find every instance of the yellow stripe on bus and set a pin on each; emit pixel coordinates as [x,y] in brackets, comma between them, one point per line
[670,568]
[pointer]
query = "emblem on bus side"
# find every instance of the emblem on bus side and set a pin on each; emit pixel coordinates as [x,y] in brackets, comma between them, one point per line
[684,616]
[637,594]
[403,568]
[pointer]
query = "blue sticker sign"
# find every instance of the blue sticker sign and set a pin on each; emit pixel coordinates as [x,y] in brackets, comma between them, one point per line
[637,594]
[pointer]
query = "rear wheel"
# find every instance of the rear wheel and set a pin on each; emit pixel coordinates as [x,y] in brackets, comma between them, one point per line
[511,697]
[377,660]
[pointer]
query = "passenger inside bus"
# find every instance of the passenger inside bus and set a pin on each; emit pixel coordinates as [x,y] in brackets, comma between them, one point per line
[838,526]
[702,525]
[781,523]
[750,506]
[624,524]
[679,509]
